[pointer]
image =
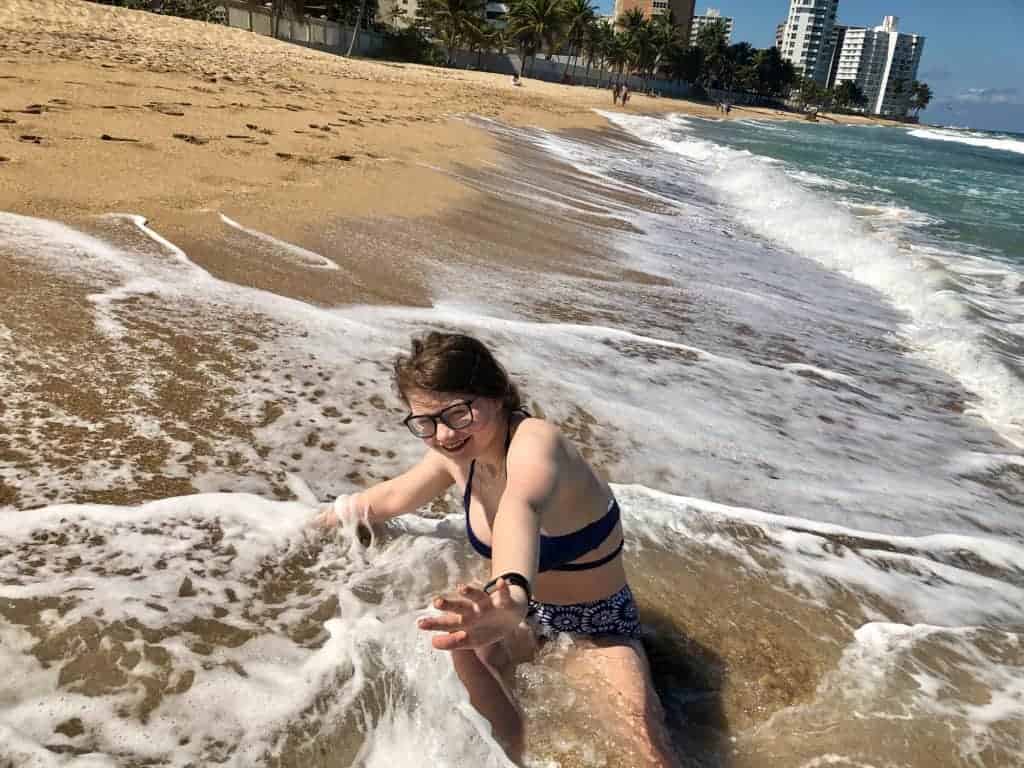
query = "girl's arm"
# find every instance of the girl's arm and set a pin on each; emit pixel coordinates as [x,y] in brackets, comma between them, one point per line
[406,493]
[533,469]
[474,618]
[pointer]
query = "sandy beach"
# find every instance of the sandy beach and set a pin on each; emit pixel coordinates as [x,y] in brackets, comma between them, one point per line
[108,107]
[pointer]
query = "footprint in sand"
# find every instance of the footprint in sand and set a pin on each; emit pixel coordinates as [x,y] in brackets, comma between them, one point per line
[190,139]
[7,121]
[108,137]
[30,138]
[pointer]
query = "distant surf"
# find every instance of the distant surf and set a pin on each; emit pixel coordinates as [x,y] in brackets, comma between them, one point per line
[972,138]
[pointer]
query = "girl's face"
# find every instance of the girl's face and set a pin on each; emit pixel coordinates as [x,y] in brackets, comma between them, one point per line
[456,425]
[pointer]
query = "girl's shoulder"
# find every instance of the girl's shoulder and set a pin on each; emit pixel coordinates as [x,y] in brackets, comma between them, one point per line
[536,439]
[535,427]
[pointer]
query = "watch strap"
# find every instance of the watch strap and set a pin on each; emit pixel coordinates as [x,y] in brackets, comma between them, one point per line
[512,578]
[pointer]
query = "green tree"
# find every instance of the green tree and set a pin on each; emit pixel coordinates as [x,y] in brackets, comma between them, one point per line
[738,70]
[711,40]
[848,95]
[774,75]
[579,15]
[201,10]
[812,94]
[920,97]
[665,37]
[595,43]
[685,63]
[617,54]
[640,46]
[453,22]
[536,24]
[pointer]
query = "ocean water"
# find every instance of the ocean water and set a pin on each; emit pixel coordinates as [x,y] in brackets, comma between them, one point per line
[796,350]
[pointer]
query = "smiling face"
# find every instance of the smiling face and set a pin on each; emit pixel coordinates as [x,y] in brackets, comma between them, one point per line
[466,443]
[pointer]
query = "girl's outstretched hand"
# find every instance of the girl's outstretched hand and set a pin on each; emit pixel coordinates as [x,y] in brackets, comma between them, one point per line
[473,618]
[344,509]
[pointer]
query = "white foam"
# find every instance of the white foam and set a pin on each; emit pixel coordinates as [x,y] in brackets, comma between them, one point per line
[304,257]
[975,140]
[808,558]
[371,647]
[839,241]
[243,696]
[824,373]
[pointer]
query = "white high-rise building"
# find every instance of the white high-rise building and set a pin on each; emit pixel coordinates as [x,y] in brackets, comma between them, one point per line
[807,37]
[883,62]
[710,16]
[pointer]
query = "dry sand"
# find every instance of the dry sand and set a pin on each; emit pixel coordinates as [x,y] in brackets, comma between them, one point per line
[105,108]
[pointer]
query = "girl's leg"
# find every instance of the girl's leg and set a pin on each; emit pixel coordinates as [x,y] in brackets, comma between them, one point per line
[491,699]
[618,668]
[487,674]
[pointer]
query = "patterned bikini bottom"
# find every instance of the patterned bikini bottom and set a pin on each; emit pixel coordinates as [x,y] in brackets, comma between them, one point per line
[615,615]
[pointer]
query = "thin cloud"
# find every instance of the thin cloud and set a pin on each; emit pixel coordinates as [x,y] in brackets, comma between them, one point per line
[991,96]
[936,74]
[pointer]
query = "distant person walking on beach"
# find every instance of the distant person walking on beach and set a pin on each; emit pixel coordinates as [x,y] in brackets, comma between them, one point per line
[625,94]
[615,93]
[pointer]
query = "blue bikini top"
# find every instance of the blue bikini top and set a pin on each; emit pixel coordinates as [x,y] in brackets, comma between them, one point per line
[557,552]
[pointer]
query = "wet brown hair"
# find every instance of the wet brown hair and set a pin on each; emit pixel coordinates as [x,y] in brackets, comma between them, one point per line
[454,362]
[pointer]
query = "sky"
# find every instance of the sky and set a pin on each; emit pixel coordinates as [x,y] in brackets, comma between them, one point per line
[973,56]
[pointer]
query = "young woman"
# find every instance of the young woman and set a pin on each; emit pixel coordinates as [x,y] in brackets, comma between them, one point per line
[550,527]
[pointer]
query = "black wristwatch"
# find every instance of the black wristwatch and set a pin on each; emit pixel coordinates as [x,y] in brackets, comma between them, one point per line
[512,578]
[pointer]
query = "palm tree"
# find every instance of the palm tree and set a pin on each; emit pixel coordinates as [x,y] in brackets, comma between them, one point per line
[739,64]
[848,95]
[578,16]
[595,42]
[642,50]
[453,22]
[685,63]
[920,97]
[714,53]
[665,36]
[535,23]
[634,35]
[617,53]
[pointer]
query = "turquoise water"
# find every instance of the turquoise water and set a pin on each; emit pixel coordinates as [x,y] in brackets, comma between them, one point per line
[967,187]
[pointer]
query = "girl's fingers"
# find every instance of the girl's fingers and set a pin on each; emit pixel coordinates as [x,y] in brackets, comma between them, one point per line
[475,594]
[446,622]
[454,641]
[457,605]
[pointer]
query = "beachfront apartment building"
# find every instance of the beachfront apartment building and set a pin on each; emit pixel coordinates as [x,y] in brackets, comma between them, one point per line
[711,16]
[780,34]
[397,14]
[882,61]
[496,15]
[681,10]
[808,35]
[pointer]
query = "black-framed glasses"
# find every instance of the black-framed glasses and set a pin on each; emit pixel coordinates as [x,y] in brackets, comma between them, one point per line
[455,416]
